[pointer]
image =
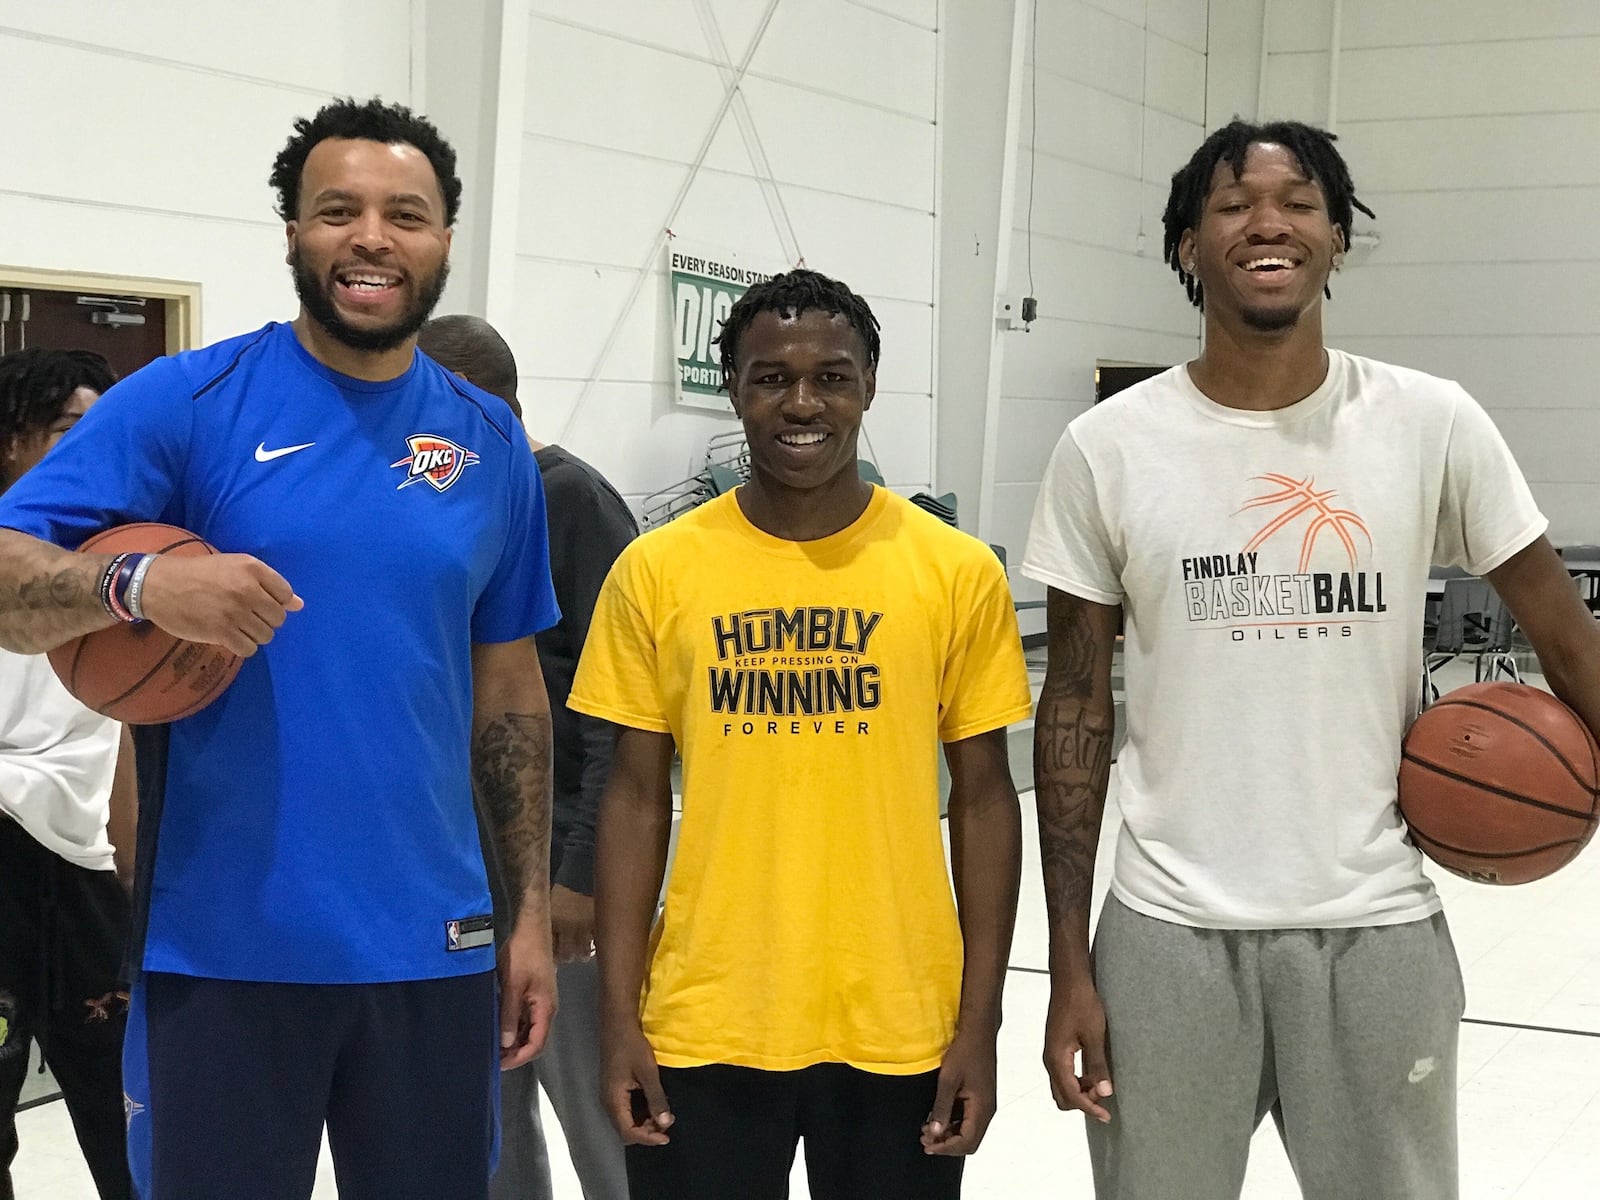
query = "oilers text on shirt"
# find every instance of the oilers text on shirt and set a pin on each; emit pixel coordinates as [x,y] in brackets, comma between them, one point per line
[795,668]
[1226,591]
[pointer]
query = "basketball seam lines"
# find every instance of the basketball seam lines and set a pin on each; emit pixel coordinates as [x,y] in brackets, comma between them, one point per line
[1544,741]
[1433,841]
[1505,793]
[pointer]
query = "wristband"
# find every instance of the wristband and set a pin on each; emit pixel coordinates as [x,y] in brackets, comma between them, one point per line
[108,579]
[133,598]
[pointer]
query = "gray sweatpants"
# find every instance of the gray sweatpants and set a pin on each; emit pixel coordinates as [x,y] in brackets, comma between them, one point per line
[569,1070]
[1347,1036]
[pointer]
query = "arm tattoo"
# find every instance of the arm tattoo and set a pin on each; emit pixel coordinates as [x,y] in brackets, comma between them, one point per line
[64,589]
[1072,757]
[511,767]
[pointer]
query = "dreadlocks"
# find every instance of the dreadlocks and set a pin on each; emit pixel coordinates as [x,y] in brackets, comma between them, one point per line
[790,294]
[1314,150]
[35,385]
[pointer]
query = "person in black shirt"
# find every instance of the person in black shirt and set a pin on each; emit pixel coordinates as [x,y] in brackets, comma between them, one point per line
[589,525]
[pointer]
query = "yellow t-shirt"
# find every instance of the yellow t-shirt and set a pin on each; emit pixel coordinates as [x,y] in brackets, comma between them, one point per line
[809,916]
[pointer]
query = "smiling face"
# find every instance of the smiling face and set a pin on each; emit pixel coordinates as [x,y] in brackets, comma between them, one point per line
[1264,245]
[369,246]
[802,386]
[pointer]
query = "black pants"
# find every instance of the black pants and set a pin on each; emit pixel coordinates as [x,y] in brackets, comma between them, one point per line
[230,1084]
[734,1132]
[62,930]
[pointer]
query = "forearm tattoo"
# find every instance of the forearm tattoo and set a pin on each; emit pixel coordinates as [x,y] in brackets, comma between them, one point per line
[511,768]
[63,589]
[1072,758]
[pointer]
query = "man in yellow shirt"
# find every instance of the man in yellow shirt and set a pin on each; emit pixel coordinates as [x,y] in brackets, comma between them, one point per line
[807,641]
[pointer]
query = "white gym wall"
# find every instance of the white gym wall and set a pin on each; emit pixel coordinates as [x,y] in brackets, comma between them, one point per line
[1472,128]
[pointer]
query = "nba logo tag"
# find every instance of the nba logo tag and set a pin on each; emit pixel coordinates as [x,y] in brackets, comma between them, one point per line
[434,460]
[452,933]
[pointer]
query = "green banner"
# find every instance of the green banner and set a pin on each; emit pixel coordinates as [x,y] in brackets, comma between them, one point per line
[704,287]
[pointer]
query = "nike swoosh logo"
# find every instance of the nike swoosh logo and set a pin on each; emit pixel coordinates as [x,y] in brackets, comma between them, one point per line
[1422,1069]
[265,455]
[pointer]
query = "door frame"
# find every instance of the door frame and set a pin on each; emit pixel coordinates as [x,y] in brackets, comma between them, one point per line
[181,297]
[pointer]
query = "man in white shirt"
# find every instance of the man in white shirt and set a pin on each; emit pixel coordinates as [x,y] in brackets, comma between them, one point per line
[1263,519]
[63,910]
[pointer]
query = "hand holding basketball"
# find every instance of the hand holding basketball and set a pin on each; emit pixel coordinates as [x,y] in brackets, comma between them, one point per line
[230,600]
[205,614]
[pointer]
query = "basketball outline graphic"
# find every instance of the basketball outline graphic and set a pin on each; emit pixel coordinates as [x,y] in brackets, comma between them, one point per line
[1302,497]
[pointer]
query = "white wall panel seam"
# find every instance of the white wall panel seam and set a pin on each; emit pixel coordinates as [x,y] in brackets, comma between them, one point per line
[1431,263]
[1131,176]
[764,76]
[1128,100]
[148,209]
[1474,116]
[1478,189]
[1082,324]
[1472,43]
[158,61]
[1413,336]
[1023,35]
[505,200]
[892,16]
[725,173]
[417,55]
[771,192]
[661,273]
[663,235]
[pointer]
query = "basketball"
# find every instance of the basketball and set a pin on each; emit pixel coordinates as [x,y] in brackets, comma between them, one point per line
[137,673]
[1500,783]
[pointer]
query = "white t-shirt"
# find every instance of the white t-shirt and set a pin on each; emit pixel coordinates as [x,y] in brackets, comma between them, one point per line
[1272,570]
[56,762]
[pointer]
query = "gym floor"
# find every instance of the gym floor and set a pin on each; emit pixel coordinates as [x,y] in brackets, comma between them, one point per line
[1529,1066]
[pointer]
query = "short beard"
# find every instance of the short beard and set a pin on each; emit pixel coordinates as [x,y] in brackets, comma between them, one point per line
[1270,320]
[314,295]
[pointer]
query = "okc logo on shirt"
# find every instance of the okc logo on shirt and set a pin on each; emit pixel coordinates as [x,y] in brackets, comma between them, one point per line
[434,460]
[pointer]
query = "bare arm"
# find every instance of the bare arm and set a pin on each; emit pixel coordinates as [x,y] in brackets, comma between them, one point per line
[986,857]
[511,770]
[1545,603]
[511,766]
[631,859]
[1072,741]
[47,595]
[986,861]
[1071,768]
[123,825]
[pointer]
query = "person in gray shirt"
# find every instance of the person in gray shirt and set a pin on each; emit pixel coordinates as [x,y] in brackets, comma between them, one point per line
[589,525]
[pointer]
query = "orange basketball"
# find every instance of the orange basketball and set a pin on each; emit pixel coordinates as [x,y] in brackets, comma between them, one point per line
[137,673]
[1500,783]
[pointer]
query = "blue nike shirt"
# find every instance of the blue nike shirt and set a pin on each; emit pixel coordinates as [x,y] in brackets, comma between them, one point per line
[316,823]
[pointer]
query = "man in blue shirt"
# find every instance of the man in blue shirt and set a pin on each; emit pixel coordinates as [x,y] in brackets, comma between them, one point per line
[383,569]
